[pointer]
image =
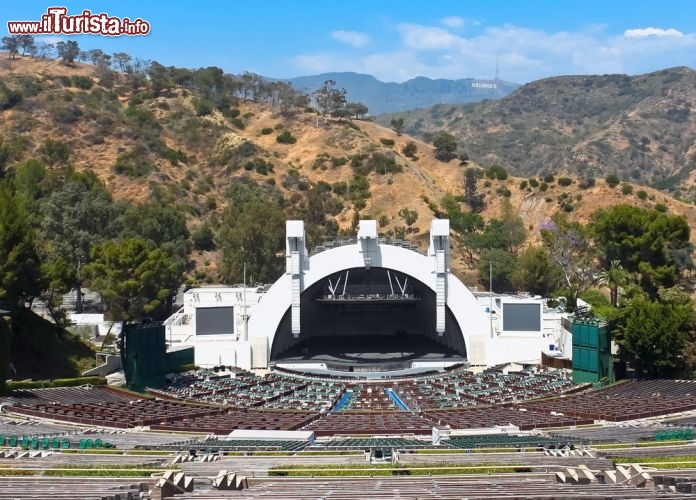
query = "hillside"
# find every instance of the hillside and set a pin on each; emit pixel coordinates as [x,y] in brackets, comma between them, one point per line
[174,149]
[640,128]
[420,92]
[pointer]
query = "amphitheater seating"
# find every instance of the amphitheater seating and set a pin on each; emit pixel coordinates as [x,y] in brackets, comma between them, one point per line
[218,444]
[504,441]
[364,443]
[224,423]
[369,423]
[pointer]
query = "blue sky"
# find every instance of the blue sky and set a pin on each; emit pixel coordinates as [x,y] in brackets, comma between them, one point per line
[398,40]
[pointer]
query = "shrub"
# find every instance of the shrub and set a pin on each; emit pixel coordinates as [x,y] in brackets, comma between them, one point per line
[333,206]
[523,185]
[337,162]
[266,131]
[586,182]
[65,113]
[612,180]
[285,137]
[410,149]
[642,195]
[661,207]
[203,238]
[503,191]
[202,106]
[497,172]
[565,181]
[340,187]
[59,382]
[534,183]
[55,152]
[133,163]
[626,189]
[382,164]
[82,82]
[543,186]
[548,178]
[259,165]
[387,142]
[9,98]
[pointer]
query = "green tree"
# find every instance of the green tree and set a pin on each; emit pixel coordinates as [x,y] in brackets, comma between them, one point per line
[20,272]
[536,273]
[410,149]
[397,124]
[30,181]
[73,219]
[652,335]
[27,44]
[357,110]
[204,238]
[328,98]
[445,146]
[244,242]
[68,51]
[410,217]
[122,60]
[55,152]
[570,246]
[504,264]
[133,276]
[614,277]
[472,197]
[11,45]
[5,351]
[650,243]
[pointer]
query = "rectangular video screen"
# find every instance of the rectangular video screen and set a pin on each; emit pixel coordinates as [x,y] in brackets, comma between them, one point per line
[214,320]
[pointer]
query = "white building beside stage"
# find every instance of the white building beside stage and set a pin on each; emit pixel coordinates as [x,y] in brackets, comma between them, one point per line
[215,321]
[241,326]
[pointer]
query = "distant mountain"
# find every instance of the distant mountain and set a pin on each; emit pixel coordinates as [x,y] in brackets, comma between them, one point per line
[420,92]
[641,128]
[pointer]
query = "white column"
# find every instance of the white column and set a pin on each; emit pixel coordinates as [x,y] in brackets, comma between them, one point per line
[439,252]
[295,262]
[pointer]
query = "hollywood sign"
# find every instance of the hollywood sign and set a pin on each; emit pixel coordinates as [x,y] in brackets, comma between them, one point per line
[484,85]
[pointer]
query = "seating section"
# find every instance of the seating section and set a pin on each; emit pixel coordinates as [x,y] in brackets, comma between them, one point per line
[224,423]
[369,423]
[364,443]
[506,441]
[283,401]
[214,444]
[248,391]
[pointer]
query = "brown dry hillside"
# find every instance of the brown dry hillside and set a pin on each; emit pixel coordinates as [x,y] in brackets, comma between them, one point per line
[143,146]
[641,128]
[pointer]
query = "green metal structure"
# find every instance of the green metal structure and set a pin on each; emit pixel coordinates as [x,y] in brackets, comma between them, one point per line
[145,357]
[591,352]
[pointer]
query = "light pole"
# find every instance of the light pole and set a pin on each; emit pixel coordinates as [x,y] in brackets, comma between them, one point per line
[490,293]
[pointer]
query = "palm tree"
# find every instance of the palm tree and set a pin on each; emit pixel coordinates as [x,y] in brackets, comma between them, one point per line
[614,277]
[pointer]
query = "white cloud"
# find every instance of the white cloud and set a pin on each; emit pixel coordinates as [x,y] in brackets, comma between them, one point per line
[453,22]
[421,37]
[645,32]
[354,38]
[523,54]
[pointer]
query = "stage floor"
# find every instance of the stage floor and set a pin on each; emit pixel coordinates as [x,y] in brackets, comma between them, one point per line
[373,350]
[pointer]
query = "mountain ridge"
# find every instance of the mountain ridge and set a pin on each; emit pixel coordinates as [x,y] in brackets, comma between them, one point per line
[641,128]
[419,92]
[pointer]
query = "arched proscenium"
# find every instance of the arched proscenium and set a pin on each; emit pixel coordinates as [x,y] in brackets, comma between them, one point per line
[432,270]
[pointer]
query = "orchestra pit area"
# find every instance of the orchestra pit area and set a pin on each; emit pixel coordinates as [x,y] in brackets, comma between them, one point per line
[541,434]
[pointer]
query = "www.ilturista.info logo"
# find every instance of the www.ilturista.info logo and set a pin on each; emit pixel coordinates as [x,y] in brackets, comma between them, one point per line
[57,21]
